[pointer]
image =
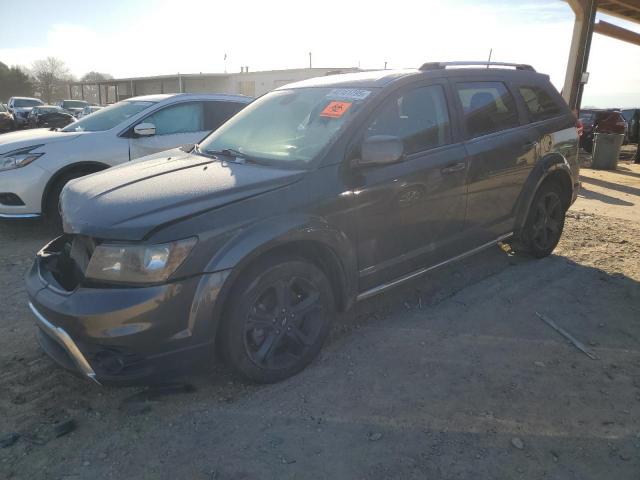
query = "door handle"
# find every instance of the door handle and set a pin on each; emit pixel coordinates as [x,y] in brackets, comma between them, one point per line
[456,167]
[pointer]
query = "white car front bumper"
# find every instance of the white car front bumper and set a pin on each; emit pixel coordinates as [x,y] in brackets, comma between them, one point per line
[28,183]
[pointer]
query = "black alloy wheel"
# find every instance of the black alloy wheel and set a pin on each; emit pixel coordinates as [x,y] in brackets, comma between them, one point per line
[278,318]
[544,225]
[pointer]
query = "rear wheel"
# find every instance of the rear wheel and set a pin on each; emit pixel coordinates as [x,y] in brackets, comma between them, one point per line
[277,319]
[545,222]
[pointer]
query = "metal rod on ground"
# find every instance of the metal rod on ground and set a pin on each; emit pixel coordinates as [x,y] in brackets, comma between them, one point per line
[577,343]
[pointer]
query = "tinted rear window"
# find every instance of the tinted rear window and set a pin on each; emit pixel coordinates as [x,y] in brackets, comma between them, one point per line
[488,107]
[539,103]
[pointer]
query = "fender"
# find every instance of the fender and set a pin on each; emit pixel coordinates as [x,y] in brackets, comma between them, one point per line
[248,244]
[548,165]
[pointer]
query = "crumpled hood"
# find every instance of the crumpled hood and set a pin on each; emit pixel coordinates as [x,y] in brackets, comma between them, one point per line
[128,201]
[28,138]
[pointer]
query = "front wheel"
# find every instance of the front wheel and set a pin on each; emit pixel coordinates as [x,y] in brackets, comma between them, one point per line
[277,319]
[545,222]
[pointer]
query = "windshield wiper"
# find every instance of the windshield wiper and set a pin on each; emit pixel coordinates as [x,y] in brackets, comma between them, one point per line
[237,155]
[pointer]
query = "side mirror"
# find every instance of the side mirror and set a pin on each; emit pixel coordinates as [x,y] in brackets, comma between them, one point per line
[381,150]
[144,130]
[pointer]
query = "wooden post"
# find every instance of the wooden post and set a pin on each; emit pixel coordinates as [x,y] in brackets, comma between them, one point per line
[585,13]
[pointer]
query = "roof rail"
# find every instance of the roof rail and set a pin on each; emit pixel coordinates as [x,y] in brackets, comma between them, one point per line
[444,65]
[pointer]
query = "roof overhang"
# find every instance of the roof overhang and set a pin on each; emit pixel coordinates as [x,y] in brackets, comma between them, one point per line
[624,9]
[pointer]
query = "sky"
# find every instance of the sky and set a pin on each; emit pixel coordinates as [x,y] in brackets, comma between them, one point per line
[128,38]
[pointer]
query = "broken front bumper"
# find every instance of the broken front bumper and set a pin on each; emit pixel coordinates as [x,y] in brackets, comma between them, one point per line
[62,338]
[123,335]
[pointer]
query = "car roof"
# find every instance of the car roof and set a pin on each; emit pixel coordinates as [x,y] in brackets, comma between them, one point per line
[382,78]
[26,98]
[165,97]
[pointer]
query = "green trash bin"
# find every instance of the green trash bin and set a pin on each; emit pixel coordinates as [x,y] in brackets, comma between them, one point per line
[606,150]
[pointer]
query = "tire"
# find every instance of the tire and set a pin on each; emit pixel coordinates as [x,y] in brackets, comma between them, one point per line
[543,228]
[276,320]
[51,207]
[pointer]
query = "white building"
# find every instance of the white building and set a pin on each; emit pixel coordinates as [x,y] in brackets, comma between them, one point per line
[253,84]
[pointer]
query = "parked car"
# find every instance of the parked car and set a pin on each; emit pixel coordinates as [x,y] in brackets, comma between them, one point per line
[89,109]
[317,195]
[600,121]
[74,107]
[36,164]
[20,108]
[49,116]
[6,119]
[632,117]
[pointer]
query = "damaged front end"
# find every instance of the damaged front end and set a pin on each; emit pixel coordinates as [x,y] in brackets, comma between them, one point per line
[115,334]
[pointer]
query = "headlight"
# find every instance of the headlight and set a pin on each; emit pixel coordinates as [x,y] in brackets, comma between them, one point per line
[138,263]
[19,158]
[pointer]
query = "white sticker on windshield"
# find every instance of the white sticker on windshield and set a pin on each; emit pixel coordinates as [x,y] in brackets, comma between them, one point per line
[349,93]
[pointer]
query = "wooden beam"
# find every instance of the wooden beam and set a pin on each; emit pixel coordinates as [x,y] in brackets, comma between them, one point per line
[614,31]
[631,5]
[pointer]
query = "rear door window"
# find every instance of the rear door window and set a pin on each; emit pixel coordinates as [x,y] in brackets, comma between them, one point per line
[540,105]
[216,113]
[419,117]
[488,107]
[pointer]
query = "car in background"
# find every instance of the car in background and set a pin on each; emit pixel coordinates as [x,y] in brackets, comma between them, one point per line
[317,195]
[36,164]
[600,121]
[88,110]
[74,107]
[49,116]
[632,116]
[6,119]
[20,108]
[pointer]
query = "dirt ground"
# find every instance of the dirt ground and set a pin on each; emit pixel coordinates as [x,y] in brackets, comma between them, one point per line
[453,376]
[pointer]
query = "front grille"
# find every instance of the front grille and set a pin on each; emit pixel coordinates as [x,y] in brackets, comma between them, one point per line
[65,260]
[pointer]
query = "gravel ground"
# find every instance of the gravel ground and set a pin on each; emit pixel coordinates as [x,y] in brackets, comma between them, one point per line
[451,376]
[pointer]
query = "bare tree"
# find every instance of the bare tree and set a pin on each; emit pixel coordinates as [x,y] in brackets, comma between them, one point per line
[50,74]
[95,93]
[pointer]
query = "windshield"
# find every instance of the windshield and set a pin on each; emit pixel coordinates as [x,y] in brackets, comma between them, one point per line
[287,126]
[2,109]
[109,117]
[74,104]
[23,102]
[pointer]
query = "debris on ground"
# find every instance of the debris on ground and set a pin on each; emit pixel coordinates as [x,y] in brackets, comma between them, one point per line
[8,440]
[577,343]
[374,436]
[65,427]
[517,443]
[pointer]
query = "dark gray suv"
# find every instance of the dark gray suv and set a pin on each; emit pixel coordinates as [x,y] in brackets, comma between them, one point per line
[315,196]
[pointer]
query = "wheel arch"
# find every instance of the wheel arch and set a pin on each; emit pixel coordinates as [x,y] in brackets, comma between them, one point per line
[553,167]
[312,239]
[88,167]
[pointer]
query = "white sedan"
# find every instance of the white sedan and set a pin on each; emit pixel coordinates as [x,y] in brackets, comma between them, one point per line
[36,164]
